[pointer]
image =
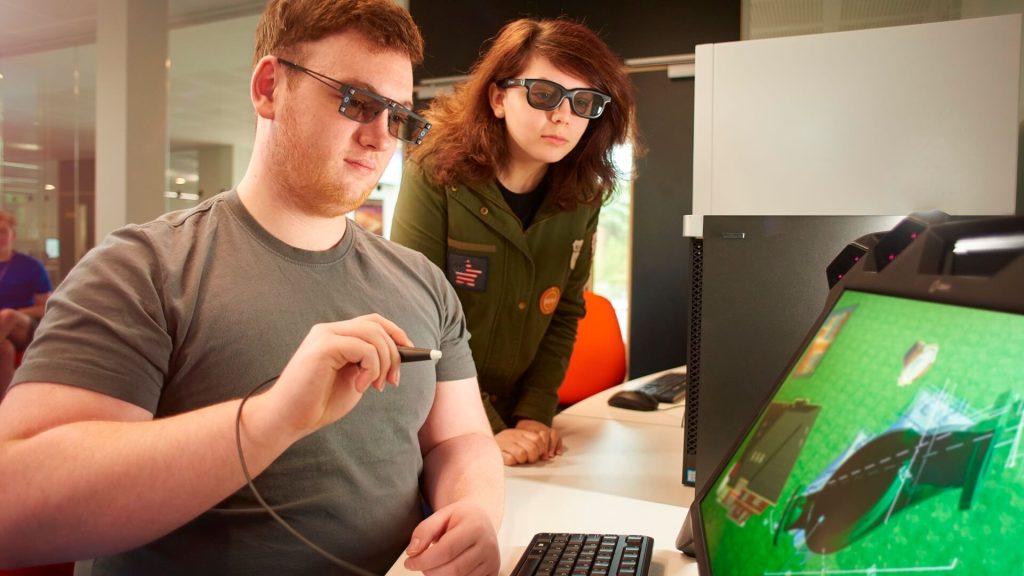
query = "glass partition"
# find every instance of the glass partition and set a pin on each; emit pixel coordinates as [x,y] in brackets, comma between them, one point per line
[47,143]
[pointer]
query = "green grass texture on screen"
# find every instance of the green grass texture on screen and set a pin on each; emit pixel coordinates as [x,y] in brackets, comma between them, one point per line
[980,358]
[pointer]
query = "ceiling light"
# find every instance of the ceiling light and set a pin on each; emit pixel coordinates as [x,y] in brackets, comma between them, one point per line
[24,146]
[21,165]
[49,187]
[18,180]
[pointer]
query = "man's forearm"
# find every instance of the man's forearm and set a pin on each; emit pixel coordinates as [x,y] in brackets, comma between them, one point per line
[93,488]
[466,468]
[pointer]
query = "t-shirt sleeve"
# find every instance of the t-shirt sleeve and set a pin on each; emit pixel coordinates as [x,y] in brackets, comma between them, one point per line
[105,328]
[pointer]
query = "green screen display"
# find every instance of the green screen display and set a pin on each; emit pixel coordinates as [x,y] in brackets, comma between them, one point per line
[894,446]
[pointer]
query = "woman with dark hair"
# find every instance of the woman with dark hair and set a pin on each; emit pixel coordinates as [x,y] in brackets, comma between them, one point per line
[505,197]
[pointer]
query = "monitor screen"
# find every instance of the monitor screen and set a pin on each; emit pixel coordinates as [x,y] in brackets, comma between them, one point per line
[893,446]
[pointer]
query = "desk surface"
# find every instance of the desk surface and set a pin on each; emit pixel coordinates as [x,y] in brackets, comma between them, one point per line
[621,473]
[617,458]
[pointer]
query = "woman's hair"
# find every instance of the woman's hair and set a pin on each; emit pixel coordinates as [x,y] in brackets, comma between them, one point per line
[286,24]
[468,143]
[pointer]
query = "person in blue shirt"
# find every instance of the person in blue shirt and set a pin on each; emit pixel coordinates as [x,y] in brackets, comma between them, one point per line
[24,289]
[24,282]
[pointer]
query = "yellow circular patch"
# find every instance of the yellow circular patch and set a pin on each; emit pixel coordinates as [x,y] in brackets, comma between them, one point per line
[549,300]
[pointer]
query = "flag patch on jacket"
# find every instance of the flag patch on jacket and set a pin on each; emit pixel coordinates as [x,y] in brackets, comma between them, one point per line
[467,272]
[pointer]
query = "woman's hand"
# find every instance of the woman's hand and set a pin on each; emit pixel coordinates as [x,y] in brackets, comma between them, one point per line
[528,442]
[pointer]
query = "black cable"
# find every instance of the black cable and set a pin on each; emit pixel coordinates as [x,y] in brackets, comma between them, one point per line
[248,478]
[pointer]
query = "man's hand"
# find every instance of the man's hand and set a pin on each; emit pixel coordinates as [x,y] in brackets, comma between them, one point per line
[332,368]
[528,442]
[456,540]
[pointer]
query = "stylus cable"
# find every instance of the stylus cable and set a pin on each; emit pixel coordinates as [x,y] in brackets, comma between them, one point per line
[248,478]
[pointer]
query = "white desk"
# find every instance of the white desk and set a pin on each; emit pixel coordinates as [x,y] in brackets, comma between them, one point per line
[621,473]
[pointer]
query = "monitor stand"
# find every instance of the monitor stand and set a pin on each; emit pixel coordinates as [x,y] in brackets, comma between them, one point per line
[684,541]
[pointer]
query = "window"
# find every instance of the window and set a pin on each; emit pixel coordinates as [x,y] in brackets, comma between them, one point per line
[612,256]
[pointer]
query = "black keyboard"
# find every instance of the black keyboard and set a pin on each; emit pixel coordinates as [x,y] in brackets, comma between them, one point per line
[668,388]
[563,554]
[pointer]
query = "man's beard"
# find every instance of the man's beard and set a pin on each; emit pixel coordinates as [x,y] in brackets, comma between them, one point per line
[321,198]
[304,176]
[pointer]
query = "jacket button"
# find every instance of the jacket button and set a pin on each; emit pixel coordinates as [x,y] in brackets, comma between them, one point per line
[522,305]
[484,210]
[494,398]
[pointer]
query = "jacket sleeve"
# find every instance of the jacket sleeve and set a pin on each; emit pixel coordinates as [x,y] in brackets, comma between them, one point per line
[497,422]
[421,216]
[539,399]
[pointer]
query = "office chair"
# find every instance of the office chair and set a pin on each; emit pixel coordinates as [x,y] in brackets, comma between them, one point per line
[598,359]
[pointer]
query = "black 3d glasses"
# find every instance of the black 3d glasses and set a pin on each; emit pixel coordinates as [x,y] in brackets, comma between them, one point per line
[548,95]
[364,106]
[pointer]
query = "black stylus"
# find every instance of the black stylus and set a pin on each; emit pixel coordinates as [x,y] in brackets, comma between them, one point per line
[411,354]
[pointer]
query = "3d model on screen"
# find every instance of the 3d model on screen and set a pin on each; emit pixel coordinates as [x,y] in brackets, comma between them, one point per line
[759,476]
[938,445]
[823,339]
[918,359]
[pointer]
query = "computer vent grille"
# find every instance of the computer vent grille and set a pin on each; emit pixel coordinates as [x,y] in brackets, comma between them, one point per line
[693,354]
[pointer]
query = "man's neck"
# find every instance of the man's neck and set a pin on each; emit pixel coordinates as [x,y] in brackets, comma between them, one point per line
[288,222]
[6,255]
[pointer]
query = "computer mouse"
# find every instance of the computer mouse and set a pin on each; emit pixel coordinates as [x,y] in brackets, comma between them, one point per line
[633,400]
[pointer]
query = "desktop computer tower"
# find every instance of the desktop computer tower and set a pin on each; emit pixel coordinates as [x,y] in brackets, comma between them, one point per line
[757,285]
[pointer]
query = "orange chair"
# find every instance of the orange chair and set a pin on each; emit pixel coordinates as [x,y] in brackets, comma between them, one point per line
[598,359]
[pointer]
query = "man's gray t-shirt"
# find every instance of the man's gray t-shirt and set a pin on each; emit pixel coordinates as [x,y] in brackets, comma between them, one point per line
[200,306]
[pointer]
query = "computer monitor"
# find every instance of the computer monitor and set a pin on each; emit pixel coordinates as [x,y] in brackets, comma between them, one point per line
[760,283]
[893,443]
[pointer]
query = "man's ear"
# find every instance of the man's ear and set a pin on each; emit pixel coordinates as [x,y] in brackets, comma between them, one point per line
[497,99]
[261,89]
